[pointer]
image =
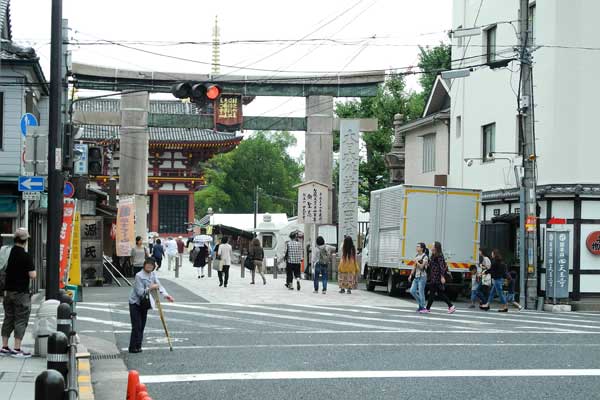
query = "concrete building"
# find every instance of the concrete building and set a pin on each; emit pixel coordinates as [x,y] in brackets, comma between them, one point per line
[484,119]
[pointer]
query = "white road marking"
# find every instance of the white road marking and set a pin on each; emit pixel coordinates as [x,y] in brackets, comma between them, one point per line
[101,321]
[424,374]
[342,345]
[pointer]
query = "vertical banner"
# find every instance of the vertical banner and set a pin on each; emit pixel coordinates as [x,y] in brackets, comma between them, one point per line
[228,113]
[557,264]
[125,226]
[348,185]
[66,232]
[313,203]
[75,268]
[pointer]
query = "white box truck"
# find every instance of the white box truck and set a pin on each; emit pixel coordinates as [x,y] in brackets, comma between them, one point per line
[402,216]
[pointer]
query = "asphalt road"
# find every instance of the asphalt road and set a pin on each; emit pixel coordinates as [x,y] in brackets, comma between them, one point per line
[298,349]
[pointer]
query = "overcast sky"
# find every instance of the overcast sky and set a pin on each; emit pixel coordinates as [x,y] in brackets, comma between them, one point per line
[397,26]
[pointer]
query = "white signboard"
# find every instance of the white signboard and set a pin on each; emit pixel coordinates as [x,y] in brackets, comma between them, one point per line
[31,195]
[313,203]
[81,166]
[348,185]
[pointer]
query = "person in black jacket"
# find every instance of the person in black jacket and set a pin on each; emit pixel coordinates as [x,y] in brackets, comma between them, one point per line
[498,272]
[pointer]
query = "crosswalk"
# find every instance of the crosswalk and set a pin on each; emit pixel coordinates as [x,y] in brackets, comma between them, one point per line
[190,318]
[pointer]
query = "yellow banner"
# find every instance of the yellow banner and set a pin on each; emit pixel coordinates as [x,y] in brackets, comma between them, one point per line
[75,270]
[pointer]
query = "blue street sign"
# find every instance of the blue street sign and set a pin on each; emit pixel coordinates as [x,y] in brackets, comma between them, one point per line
[28,119]
[31,184]
[69,190]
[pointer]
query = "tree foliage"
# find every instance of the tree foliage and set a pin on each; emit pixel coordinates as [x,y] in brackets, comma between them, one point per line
[392,98]
[260,160]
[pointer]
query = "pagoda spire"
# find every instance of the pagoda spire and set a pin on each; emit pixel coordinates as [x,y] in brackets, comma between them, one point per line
[216,48]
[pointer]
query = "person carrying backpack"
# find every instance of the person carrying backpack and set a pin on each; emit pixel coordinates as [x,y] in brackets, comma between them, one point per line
[321,263]
[158,252]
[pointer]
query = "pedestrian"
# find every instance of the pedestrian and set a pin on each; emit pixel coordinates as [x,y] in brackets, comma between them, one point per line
[158,252]
[476,293]
[180,249]
[486,279]
[224,252]
[140,301]
[348,269]
[293,258]
[200,258]
[171,250]
[17,302]
[138,255]
[498,273]
[216,258]
[320,261]
[418,276]
[437,281]
[512,282]
[257,253]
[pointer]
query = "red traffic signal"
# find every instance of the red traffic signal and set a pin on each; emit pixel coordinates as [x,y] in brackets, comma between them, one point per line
[199,92]
[213,91]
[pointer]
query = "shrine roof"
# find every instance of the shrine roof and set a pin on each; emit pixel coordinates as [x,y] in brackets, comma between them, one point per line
[161,135]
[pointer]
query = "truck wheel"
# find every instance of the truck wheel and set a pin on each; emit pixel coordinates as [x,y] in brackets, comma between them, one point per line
[370,286]
[391,285]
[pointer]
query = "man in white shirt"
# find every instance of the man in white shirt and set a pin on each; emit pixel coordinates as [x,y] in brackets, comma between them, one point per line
[224,252]
[171,250]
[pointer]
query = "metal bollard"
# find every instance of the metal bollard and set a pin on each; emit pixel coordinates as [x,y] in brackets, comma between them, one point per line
[243,273]
[275,267]
[177,267]
[209,267]
[58,348]
[49,385]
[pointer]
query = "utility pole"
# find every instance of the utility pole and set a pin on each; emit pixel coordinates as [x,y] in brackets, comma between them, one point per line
[55,178]
[529,231]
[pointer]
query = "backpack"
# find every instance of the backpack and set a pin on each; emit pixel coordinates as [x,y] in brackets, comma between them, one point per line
[4,255]
[323,255]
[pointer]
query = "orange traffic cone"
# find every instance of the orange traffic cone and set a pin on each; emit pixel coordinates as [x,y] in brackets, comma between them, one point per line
[142,396]
[133,380]
[141,387]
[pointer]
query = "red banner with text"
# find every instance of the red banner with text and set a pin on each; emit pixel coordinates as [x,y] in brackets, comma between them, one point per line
[66,232]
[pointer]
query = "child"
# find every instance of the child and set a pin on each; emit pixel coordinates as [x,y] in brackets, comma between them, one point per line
[475,283]
[510,298]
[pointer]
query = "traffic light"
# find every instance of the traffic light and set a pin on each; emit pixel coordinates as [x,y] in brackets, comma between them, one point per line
[198,92]
[95,160]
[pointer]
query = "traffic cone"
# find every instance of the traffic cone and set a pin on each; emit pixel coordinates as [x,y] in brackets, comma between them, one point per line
[133,379]
[142,396]
[141,387]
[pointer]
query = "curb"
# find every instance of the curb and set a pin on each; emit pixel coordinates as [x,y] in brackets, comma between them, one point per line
[84,377]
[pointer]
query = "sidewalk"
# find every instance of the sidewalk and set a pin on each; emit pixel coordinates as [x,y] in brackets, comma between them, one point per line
[239,290]
[17,376]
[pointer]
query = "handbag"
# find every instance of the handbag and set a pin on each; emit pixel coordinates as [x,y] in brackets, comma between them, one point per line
[216,264]
[249,263]
[145,301]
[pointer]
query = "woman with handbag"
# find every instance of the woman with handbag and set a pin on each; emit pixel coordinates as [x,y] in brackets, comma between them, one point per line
[140,302]
[257,254]
[201,255]
[439,269]
[348,269]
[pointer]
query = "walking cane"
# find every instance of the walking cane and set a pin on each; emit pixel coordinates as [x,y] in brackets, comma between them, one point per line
[156,297]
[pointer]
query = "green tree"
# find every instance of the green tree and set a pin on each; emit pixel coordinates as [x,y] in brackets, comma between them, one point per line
[431,62]
[261,160]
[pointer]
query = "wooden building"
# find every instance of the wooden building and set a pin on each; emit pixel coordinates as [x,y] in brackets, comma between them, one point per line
[174,161]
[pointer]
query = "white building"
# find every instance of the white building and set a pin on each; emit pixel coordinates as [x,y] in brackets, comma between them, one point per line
[565,84]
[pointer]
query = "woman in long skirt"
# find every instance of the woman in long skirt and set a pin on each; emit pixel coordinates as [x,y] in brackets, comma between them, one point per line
[348,269]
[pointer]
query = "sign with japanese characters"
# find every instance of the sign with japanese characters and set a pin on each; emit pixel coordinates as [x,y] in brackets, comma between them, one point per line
[75,267]
[348,186]
[557,264]
[593,243]
[228,112]
[125,226]
[66,231]
[313,203]
[91,248]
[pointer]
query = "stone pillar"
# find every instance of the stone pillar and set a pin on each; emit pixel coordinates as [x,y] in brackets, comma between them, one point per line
[394,160]
[133,177]
[318,154]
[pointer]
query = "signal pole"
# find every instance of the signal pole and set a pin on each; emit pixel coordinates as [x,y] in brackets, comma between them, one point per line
[526,129]
[55,177]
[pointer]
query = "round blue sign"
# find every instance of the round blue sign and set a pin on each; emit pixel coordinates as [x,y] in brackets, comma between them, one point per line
[69,190]
[28,119]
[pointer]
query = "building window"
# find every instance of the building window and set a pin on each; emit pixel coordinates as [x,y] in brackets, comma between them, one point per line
[489,141]
[172,213]
[531,33]
[429,153]
[458,126]
[459,40]
[490,44]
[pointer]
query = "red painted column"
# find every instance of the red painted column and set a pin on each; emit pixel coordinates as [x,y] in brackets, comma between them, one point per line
[155,211]
[191,210]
